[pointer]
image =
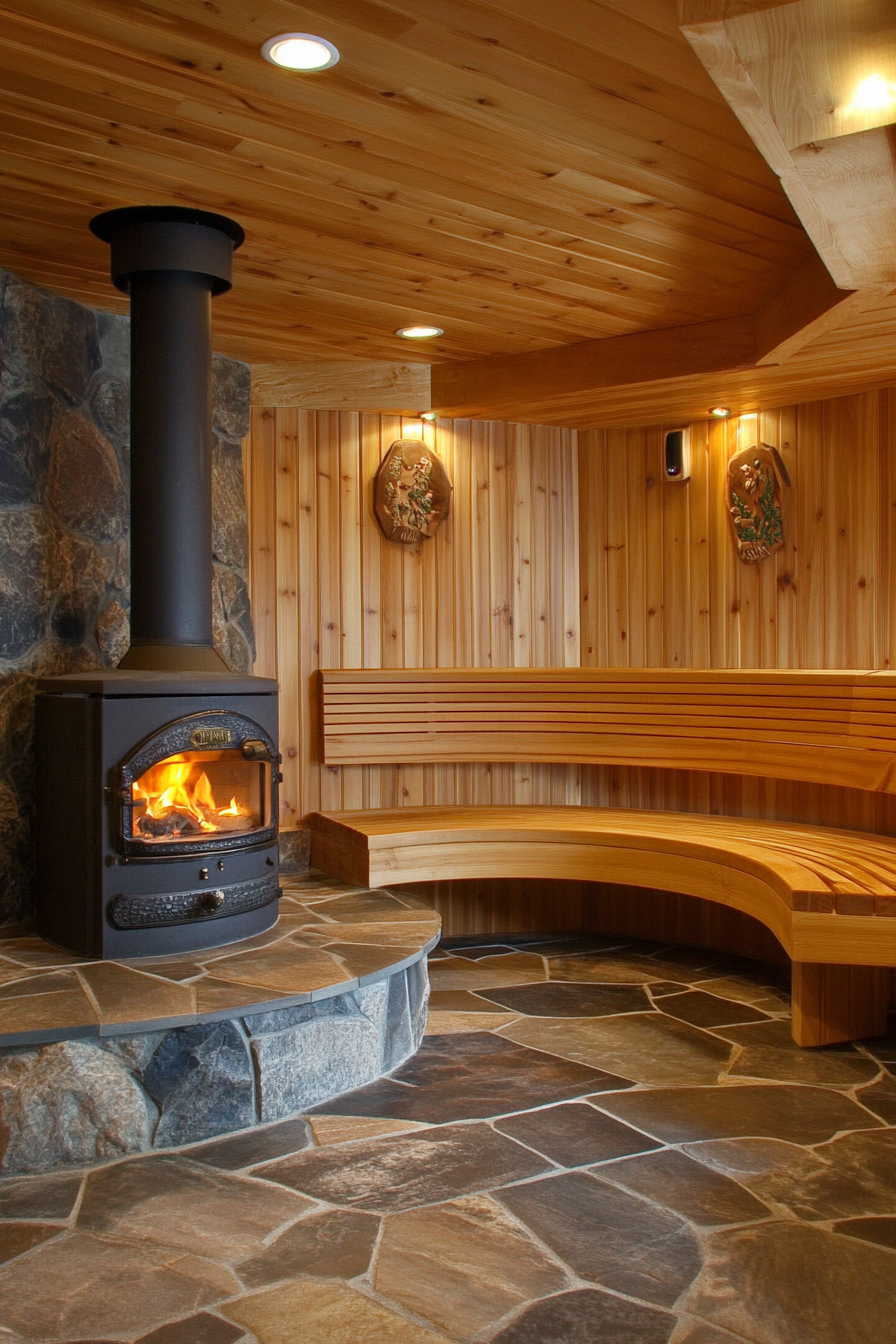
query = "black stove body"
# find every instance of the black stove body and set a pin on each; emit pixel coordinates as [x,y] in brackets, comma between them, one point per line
[156,811]
[157,781]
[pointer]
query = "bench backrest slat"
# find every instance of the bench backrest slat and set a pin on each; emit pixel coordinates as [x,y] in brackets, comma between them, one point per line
[836,727]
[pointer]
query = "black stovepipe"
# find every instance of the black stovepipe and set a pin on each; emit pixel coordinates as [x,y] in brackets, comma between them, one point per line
[171,260]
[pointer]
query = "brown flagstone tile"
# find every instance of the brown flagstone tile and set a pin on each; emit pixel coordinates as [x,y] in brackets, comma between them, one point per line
[770,1052]
[686,1187]
[389,1175]
[609,1236]
[799,1114]
[85,1286]
[253,1146]
[446,1024]
[468,1076]
[52,1012]
[462,1265]
[27,984]
[598,968]
[11,970]
[646,1047]
[360,959]
[879,1231]
[458,973]
[564,999]
[852,1176]
[884,1047]
[329,1129]
[692,1331]
[489,950]
[575,1134]
[126,995]
[770,998]
[786,1283]
[219,996]
[880,1098]
[587,1316]
[337,1243]
[171,1203]
[280,968]
[402,933]
[368,907]
[458,1001]
[329,1313]
[201,1329]
[16,1238]
[661,988]
[168,969]
[36,952]
[708,1010]
[39,1197]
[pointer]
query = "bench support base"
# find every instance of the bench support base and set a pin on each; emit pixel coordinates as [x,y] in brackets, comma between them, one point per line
[838,1003]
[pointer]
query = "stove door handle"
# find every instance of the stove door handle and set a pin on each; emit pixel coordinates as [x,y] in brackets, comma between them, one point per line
[256,750]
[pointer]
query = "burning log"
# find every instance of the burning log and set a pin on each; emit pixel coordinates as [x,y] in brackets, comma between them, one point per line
[172,823]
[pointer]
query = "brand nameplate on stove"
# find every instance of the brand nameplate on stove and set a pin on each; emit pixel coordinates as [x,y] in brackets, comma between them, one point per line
[210,737]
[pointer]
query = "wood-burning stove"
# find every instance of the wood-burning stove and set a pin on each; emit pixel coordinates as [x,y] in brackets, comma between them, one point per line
[157,782]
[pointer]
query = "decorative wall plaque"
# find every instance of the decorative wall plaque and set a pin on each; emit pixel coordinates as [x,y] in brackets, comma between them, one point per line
[754,485]
[411,492]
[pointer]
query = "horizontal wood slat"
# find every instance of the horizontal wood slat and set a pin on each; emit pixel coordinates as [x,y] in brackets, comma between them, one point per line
[817,727]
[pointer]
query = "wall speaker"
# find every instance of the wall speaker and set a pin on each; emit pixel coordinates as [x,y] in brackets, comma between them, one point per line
[678,454]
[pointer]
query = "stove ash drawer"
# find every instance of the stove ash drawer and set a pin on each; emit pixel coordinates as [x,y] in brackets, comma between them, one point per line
[188,907]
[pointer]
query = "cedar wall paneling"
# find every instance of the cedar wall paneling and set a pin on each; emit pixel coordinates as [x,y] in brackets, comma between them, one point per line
[498,586]
[661,585]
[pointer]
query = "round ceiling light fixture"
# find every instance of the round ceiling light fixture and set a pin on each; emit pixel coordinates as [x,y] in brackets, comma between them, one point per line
[419,332]
[429,415]
[720,412]
[300,51]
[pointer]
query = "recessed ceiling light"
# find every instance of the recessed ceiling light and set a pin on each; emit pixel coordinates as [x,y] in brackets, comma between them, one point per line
[720,412]
[420,332]
[428,415]
[300,51]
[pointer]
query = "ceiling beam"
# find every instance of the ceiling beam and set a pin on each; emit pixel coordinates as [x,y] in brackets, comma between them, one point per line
[528,386]
[343,385]
[789,70]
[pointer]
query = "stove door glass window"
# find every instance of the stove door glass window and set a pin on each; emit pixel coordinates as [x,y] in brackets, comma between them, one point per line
[194,795]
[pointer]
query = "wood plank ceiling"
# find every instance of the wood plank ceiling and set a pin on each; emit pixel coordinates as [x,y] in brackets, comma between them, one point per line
[524,174]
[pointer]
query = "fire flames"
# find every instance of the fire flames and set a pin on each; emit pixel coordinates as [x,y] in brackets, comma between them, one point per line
[179,801]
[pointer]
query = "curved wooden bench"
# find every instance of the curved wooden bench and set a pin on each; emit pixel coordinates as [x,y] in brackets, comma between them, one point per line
[828,895]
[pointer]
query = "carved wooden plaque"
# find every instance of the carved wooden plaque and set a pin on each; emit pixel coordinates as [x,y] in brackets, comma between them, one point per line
[754,484]
[411,492]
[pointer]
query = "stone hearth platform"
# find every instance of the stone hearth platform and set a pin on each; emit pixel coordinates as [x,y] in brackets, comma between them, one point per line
[103,1058]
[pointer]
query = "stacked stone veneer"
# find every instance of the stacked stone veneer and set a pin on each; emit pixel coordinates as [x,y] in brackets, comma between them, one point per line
[64,515]
[78,1102]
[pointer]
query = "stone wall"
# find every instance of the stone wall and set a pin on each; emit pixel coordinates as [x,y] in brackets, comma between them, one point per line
[64,516]
[78,1102]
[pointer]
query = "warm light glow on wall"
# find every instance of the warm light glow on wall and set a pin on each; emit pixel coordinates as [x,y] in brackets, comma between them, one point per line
[873,94]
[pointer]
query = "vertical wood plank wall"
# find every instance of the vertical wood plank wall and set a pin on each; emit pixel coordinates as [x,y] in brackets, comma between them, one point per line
[502,585]
[498,586]
[661,584]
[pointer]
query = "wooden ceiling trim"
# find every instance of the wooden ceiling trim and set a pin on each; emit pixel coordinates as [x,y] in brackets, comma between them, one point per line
[393,389]
[530,176]
[843,186]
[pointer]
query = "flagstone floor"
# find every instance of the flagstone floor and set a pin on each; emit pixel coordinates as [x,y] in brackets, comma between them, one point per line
[600,1142]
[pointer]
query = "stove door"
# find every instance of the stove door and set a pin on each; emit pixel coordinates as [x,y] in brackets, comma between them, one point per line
[204,782]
